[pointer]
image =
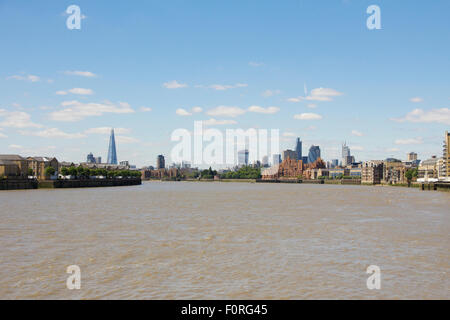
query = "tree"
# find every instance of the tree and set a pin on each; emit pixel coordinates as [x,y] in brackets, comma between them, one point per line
[30,172]
[50,171]
[64,171]
[410,174]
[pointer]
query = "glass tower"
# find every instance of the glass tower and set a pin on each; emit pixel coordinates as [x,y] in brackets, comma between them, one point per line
[112,155]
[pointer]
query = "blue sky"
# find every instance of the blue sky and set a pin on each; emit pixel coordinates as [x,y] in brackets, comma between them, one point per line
[388,90]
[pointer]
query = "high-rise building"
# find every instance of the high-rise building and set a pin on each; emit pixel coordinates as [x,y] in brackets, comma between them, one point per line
[112,154]
[334,163]
[298,149]
[160,162]
[446,158]
[412,156]
[98,160]
[346,155]
[305,160]
[265,161]
[276,159]
[243,158]
[314,154]
[90,158]
[289,154]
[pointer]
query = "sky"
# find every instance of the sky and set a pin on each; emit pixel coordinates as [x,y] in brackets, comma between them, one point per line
[311,69]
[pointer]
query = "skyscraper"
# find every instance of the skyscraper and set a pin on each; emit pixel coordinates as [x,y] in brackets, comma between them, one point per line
[90,158]
[346,156]
[160,162]
[298,149]
[314,154]
[276,159]
[112,154]
[243,157]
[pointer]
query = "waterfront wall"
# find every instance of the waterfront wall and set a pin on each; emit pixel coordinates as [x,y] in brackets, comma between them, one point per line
[94,183]
[18,184]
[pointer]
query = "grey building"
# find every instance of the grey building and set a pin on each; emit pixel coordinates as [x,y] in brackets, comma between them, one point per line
[243,158]
[298,149]
[314,154]
[160,162]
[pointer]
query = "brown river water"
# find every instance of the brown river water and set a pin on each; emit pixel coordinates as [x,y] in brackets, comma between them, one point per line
[189,240]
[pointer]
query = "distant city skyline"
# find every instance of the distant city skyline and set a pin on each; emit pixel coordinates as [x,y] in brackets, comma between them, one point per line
[386,92]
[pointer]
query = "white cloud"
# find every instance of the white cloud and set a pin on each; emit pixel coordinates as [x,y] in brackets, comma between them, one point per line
[269,110]
[308,116]
[145,109]
[86,74]
[75,110]
[357,133]
[197,109]
[214,122]
[182,112]
[288,134]
[107,130]
[2,135]
[224,111]
[318,94]
[223,87]
[255,64]
[174,85]
[416,100]
[81,91]
[392,149]
[53,133]
[126,140]
[409,141]
[420,116]
[270,93]
[28,77]
[17,119]
[15,146]
[312,105]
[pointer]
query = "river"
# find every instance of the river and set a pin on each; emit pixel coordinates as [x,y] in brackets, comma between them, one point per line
[212,240]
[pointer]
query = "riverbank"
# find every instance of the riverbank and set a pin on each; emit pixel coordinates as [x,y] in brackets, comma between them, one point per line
[24,184]
[88,183]
[415,185]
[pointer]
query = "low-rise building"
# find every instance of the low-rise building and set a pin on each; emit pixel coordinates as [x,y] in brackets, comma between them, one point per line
[13,165]
[429,170]
[394,172]
[39,166]
[372,171]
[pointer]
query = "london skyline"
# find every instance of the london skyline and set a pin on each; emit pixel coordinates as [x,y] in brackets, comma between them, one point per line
[323,77]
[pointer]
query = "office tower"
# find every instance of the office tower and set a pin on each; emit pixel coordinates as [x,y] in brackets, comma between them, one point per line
[160,162]
[346,156]
[334,163]
[265,161]
[314,154]
[112,154]
[298,149]
[446,157]
[412,156]
[305,160]
[243,158]
[276,159]
[90,158]
[98,160]
[289,154]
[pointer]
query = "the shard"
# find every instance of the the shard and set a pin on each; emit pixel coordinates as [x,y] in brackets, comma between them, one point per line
[112,154]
